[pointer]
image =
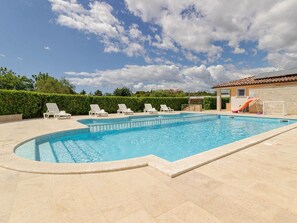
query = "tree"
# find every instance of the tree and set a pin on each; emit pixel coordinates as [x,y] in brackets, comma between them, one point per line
[161,93]
[11,81]
[83,92]
[98,93]
[122,92]
[48,84]
[66,83]
[201,93]
[108,94]
[142,93]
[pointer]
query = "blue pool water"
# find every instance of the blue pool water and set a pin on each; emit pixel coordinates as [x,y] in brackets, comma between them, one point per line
[185,136]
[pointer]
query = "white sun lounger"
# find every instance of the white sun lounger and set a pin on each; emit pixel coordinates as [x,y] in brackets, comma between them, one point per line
[52,109]
[124,110]
[95,110]
[164,108]
[149,109]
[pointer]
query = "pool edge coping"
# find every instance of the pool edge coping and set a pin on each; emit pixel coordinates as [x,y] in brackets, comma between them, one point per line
[10,160]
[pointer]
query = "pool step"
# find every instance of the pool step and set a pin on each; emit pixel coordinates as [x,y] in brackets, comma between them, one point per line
[62,153]
[46,153]
[68,152]
[93,154]
[77,153]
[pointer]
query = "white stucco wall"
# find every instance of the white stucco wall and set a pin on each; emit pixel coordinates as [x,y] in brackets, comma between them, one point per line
[236,102]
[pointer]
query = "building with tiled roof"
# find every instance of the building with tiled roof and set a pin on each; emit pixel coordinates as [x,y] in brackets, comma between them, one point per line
[277,90]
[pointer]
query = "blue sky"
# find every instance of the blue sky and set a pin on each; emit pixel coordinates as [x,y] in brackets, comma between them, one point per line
[186,44]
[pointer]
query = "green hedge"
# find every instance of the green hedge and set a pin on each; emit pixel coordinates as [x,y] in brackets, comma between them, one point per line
[210,103]
[32,104]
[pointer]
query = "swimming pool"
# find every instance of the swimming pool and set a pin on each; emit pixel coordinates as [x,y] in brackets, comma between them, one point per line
[170,137]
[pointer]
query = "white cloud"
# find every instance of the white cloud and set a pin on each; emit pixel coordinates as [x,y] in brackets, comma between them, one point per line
[283,60]
[20,58]
[47,48]
[98,19]
[2,55]
[161,60]
[196,25]
[162,77]
[235,45]
[193,26]
[134,49]
[164,43]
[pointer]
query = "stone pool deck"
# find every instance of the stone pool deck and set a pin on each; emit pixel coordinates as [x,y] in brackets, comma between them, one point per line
[258,184]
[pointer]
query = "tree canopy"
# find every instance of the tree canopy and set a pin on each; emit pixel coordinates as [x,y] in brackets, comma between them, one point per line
[47,84]
[122,92]
[170,93]
[98,93]
[83,92]
[10,81]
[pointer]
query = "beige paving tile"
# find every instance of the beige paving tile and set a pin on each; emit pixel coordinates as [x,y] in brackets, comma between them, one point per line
[26,176]
[161,177]
[195,186]
[8,180]
[103,182]
[275,194]
[112,198]
[257,169]
[244,169]
[136,217]
[227,210]
[249,201]
[6,202]
[135,180]
[228,172]
[158,199]
[285,216]
[120,209]
[33,202]
[187,213]
[73,202]
[8,185]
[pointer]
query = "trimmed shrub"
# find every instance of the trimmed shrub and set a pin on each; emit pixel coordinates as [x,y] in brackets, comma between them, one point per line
[210,103]
[32,104]
[20,102]
[224,101]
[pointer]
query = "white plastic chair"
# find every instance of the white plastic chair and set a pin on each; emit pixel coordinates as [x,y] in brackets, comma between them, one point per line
[148,108]
[52,109]
[164,108]
[124,110]
[95,110]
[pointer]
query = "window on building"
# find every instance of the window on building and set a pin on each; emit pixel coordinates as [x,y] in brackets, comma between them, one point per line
[240,92]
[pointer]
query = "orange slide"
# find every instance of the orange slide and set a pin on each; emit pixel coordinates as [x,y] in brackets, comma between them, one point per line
[245,104]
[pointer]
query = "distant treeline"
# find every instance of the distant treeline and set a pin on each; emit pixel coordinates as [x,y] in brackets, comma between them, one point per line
[43,82]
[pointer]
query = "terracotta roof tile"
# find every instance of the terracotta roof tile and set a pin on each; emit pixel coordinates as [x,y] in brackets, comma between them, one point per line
[253,81]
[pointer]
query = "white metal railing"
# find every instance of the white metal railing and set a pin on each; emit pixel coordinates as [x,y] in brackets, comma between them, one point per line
[143,123]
